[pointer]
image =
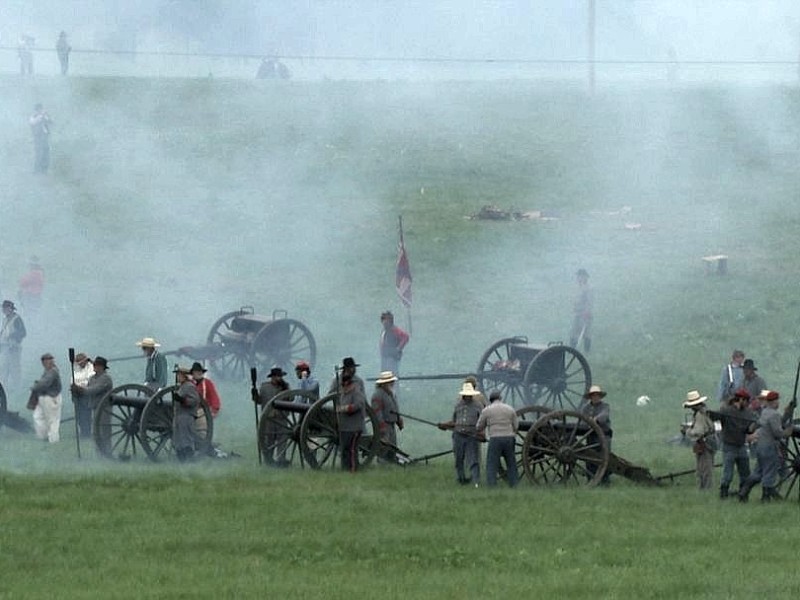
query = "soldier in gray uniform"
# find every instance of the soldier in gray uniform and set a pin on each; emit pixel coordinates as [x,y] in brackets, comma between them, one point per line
[384,405]
[737,421]
[582,313]
[89,396]
[276,442]
[465,435]
[12,332]
[594,407]
[351,410]
[185,402]
[772,429]
[753,383]
[47,413]
[349,366]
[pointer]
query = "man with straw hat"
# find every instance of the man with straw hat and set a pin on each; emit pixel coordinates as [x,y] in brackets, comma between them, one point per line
[465,435]
[599,411]
[384,404]
[701,432]
[155,373]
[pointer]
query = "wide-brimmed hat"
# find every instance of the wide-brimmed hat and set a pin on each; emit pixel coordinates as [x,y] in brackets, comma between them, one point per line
[196,366]
[349,363]
[81,356]
[9,304]
[386,377]
[47,356]
[468,390]
[276,372]
[693,398]
[595,389]
[180,369]
[100,360]
[748,364]
[148,342]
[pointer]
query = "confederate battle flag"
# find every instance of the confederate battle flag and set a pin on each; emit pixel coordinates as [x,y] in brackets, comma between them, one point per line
[403,272]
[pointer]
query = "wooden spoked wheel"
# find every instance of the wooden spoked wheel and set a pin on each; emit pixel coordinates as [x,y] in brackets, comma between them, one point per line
[116,421]
[557,377]
[283,343]
[233,362]
[155,430]
[279,427]
[319,436]
[497,370]
[567,448]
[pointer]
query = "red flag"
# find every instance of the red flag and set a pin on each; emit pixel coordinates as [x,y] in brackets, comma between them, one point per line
[403,274]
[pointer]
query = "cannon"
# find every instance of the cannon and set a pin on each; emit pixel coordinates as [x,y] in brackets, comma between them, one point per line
[10,419]
[242,339]
[131,420]
[553,375]
[297,428]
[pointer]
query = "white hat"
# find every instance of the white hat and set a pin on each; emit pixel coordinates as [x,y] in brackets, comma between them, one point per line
[595,389]
[694,398]
[148,342]
[468,390]
[385,377]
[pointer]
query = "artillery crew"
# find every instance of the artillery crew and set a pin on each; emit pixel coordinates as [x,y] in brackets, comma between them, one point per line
[737,421]
[384,405]
[501,424]
[772,429]
[155,373]
[465,436]
[594,407]
[276,442]
[88,396]
[46,392]
[307,382]
[701,433]
[351,410]
[186,401]
[12,332]
[348,368]
[753,383]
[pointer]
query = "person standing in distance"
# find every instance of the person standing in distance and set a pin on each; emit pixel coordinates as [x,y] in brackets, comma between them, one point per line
[582,313]
[393,340]
[12,332]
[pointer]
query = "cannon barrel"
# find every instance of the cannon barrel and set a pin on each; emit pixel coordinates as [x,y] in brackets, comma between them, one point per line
[288,406]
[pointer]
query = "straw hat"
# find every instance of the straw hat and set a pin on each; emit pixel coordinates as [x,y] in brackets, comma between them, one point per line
[694,398]
[386,377]
[595,389]
[148,342]
[468,390]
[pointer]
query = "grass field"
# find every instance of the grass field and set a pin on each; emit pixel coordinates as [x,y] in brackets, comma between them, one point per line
[170,203]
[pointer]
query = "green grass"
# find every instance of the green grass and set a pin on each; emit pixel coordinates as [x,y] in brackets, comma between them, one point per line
[171,202]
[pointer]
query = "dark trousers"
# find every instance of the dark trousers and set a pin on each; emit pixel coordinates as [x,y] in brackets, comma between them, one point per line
[41,160]
[501,447]
[465,448]
[734,456]
[83,414]
[349,441]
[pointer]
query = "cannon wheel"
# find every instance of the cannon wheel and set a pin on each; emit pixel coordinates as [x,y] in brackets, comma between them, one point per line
[319,436]
[558,376]
[116,421]
[562,446]
[496,370]
[791,472]
[281,428]
[155,429]
[526,414]
[282,343]
[234,362]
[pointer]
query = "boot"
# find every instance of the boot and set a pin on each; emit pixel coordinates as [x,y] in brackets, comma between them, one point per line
[744,490]
[765,495]
[723,491]
[772,494]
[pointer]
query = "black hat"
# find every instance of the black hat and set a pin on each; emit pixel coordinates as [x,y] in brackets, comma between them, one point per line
[196,366]
[46,356]
[277,372]
[9,304]
[349,363]
[748,364]
[99,360]
[582,273]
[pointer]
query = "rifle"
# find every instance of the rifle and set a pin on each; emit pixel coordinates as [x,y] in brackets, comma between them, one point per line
[478,436]
[75,401]
[254,397]
[788,414]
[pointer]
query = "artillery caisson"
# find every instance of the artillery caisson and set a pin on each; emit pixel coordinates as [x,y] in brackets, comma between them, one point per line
[242,339]
[131,420]
[297,428]
[553,375]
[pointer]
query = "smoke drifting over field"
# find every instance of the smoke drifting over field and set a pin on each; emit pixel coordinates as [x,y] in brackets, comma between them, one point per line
[172,201]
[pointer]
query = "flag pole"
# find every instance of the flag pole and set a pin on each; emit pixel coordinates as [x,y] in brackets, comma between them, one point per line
[407,273]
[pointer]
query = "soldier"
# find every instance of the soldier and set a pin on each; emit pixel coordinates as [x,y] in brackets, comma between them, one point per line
[275,444]
[393,340]
[155,372]
[307,382]
[772,430]
[88,395]
[753,383]
[595,408]
[502,424]
[12,332]
[206,389]
[63,49]
[351,410]
[384,405]
[82,370]
[40,123]
[731,378]
[186,400]
[737,421]
[47,412]
[349,366]
[701,432]
[465,436]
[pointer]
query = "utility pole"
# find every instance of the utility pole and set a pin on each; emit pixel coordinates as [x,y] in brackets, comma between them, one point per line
[590,35]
